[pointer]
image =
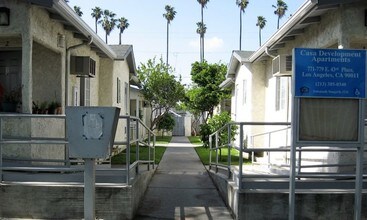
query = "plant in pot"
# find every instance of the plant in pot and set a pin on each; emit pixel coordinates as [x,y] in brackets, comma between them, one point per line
[44,108]
[54,108]
[11,100]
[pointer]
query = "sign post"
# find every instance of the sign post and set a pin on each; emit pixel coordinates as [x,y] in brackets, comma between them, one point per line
[329,88]
[91,133]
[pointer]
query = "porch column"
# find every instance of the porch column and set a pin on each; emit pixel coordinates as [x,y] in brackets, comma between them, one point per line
[27,84]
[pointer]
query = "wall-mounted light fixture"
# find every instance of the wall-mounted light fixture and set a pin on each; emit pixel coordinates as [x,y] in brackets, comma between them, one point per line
[4,16]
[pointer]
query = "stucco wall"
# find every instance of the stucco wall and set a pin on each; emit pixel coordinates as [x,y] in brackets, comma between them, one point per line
[342,26]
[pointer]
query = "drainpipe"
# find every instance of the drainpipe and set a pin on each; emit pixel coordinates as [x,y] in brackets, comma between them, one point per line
[268,52]
[67,61]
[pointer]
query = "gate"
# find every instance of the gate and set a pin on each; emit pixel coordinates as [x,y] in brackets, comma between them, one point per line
[179,129]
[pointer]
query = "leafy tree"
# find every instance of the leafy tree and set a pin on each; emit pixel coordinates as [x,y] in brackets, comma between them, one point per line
[213,125]
[169,15]
[108,22]
[280,10]
[78,11]
[261,22]
[97,15]
[242,4]
[206,93]
[122,25]
[203,29]
[167,123]
[160,89]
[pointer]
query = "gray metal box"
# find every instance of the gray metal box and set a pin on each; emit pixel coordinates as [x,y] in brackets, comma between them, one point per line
[91,131]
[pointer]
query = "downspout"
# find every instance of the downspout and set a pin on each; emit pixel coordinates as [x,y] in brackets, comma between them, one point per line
[268,52]
[67,61]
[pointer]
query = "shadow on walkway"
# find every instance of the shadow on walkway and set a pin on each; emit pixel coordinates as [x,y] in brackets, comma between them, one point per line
[181,188]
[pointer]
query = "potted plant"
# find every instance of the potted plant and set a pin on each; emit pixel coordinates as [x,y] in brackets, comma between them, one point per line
[54,108]
[11,100]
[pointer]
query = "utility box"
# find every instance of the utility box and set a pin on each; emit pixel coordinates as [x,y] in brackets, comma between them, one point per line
[91,131]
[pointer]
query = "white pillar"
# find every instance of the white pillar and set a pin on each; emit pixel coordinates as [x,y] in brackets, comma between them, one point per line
[27,83]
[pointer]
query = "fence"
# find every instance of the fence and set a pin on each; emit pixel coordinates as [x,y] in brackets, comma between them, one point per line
[37,145]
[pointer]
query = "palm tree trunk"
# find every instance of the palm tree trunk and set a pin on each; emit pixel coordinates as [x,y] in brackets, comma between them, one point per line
[259,36]
[167,43]
[240,28]
[278,22]
[201,36]
[96,25]
[120,37]
[106,37]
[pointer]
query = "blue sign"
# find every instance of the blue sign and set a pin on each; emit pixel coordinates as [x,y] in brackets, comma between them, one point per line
[330,73]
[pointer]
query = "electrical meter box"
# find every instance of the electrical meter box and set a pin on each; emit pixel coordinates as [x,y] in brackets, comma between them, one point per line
[91,131]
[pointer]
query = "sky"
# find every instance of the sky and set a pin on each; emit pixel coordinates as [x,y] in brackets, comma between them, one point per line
[147,29]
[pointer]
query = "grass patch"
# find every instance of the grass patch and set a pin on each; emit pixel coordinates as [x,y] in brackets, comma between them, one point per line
[143,155]
[163,139]
[195,140]
[204,156]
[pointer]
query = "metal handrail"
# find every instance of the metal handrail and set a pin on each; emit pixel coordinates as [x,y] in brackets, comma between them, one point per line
[143,137]
[214,147]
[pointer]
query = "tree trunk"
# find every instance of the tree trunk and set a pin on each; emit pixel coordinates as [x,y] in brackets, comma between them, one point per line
[120,37]
[167,42]
[259,36]
[240,28]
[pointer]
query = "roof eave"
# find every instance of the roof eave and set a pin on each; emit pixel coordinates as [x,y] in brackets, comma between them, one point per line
[65,11]
[305,9]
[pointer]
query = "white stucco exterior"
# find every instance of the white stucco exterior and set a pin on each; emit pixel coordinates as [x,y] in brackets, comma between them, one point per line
[47,34]
[259,96]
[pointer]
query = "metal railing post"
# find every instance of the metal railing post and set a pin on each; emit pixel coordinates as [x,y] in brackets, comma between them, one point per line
[229,150]
[154,140]
[241,158]
[210,151]
[149,152]
[137,146]
[1,149]
[128,145]
[269,146]
[216,153]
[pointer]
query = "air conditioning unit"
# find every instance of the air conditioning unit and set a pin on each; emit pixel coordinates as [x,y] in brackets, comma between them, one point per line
[282,65]
[82,66]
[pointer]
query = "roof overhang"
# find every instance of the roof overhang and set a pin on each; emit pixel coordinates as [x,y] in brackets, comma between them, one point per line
[59,10]
[227,83]
[237,59]
[309,13]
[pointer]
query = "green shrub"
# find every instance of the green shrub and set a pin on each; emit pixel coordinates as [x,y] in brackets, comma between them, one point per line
[214,124]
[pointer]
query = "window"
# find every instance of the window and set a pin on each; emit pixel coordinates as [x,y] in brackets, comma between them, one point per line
[84,91]
[244,90]
[281,93]
[118,90]
[126,93]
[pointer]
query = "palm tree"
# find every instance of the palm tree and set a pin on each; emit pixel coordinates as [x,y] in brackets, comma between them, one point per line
[96,14]
[78,11]
[169,15]
[122,25]
[201,30]
[242,4]
[261,22]
[280,10]
[203,4]
[108,22]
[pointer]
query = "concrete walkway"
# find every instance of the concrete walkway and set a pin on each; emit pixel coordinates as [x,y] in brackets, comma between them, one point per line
[181,188]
